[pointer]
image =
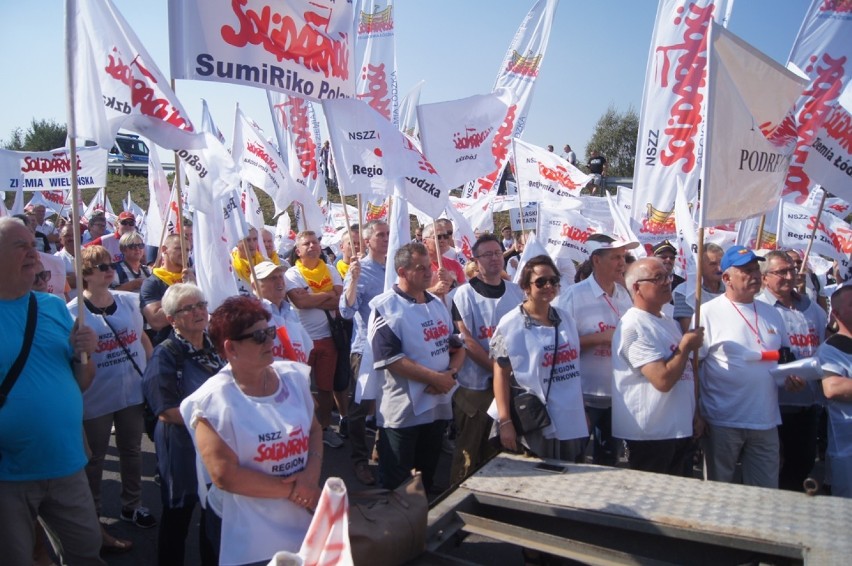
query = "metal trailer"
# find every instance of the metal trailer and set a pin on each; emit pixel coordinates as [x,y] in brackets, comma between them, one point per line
[601,515]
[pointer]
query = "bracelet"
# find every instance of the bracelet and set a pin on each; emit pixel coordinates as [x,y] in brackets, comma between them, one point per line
[501,424]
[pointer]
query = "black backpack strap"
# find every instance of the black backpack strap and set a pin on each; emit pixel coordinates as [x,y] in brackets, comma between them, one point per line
[176,350]
[21,360]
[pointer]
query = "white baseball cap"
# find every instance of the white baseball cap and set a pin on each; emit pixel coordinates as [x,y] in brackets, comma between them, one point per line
[594,246]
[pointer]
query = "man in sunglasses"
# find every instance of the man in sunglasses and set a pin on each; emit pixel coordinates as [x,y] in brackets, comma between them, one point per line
[805,322]
[451,274]
[653,393]
[112,241]
[477,308]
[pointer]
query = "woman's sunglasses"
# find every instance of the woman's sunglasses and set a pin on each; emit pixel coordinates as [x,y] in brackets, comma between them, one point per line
[258,336]
[541,282]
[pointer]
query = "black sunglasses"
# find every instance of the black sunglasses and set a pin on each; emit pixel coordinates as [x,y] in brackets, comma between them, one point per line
[128,223]
[43,276]
[541,282]
[134,247]
[104,267]
[258,336]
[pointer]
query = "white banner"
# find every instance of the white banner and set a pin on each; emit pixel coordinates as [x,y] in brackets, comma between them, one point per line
[478,212]
[543,175]
[302,47]
[116,83]
[211,172]
[597,210]
[458,135]
[518,73]
[724,238]
[748,93]
[530,216]
[669,141]
[564,234]
[375,53]
[822,126]
[51,170]
[833,235]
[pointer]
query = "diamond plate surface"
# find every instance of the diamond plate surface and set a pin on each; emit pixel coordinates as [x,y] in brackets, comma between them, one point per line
[819,525]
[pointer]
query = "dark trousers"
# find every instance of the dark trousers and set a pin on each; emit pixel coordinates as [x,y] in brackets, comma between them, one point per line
[171,540]
[798,436]
[605,449]
[357,416]
[667,456]
[403,449]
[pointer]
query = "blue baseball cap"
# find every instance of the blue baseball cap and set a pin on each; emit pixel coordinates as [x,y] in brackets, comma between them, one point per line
[737,256]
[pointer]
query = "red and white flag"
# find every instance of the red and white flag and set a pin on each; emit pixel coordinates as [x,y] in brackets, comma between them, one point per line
[100,203]
[671,119]
[748,94]
[302,47]
[543,175]
[686,263]
[479,212]
[116,83]
[458,135]
[327,541]
[518,73]
[565,233]
[51,170]
[211,172]
[821,126]
[375,55]
[833,235]
[297,132]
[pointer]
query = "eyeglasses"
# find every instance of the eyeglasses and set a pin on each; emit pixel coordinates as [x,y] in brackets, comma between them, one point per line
[134,247]
[660,279]
[258,336]
[128,223]
[199,306]
[489,255]
[542,282]
[104,267]
[43,276]
[443,236]
[789,272]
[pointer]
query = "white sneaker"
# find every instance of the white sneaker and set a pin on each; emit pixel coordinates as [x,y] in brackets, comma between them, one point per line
[331,439]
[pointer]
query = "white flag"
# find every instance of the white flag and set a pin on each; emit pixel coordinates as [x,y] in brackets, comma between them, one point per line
[686,263]
[747,92]
[408,112]
[207,123]
[297,132]
[833,236]
[116,82]
[543,175]
[375,55]
[100,203]
[565,233]
[212,255]
[458,135]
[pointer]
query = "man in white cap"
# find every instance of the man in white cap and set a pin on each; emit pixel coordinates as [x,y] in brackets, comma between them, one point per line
[597,304]
[293,342]
[738,397]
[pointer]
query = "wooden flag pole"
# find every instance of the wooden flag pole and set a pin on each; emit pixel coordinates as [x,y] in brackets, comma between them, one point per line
[183,253]
[360,227]
[760,232]
[437,246]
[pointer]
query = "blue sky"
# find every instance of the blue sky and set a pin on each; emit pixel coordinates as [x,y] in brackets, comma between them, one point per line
[596,58]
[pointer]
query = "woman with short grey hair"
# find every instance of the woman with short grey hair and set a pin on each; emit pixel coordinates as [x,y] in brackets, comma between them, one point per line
[178,366]
[130,272]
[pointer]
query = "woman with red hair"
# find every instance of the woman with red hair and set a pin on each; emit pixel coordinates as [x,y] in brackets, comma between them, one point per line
[253,425]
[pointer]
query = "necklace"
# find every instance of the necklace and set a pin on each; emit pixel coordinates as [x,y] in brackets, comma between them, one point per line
[103,311]
[754,329]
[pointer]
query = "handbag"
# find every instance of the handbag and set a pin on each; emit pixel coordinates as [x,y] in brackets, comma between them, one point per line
[388,526]
[527,411]
[341,336]
[21,360]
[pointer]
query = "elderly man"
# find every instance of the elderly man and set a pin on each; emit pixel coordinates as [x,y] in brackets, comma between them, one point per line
[711,285]
[314,289]
[805,323]
[66,235]
[738,395]
[835,355]
[42,457]
[96,228]
[597,304]
[245,249]
[112,242]
[412,342]
[653,392]
[477,308]
[667,252]
[293,342]
[269,245]
[364,281]
[450,274]
[154,287]
[45,226]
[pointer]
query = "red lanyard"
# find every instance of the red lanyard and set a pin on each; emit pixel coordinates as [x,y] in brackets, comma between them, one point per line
[615,310]
[755,329]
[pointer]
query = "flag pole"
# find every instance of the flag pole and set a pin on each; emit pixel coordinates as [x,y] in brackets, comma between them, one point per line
[360,225]
[698,290]
[437,246]
[760,232]
[70,37]
[183,252]
[252,272]
[813,232]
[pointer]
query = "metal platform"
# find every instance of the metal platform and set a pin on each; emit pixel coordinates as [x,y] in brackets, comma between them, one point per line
[601,515]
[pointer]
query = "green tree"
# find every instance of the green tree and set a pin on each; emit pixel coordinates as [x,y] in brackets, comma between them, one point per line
[615,138]
[42,135]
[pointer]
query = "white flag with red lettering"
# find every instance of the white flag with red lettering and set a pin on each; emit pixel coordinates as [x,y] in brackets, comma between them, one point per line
[458,135]
[116,83]
[297,132]
[671,119]
[375,55]
[565,233]
[543,175]
[747,94]
[821,125]
[302,47]
[518,73]
[833,236]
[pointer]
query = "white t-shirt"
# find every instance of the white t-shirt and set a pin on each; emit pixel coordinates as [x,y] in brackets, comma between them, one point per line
[269,435]
[530,349]
[734,391]
[117,384]
[836,361]
[285,316]
[480,315]
[314,320]
[594,311]
[639,410]
[68,259]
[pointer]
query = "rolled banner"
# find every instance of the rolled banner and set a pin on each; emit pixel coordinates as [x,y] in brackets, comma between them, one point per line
[808,369]
[327,540]
[284,558]
[734,350]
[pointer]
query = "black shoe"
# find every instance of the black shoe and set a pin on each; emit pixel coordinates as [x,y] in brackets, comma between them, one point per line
[343,428]
[140,517]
